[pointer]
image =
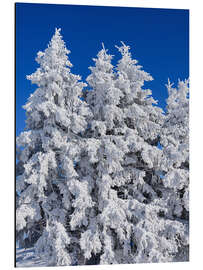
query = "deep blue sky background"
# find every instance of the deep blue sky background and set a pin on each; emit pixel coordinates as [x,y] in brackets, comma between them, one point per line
[159,40]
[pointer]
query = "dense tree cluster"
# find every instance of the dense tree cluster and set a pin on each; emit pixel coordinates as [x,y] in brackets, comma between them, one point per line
[102,179]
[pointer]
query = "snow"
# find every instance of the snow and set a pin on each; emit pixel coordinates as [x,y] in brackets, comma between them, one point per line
[27,258]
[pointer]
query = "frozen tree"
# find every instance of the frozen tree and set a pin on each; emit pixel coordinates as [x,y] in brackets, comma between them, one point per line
[133,221]
[161,237]
[101,159]
[155,236]
[142,121]
[175,143]
[127,224]
[47,152]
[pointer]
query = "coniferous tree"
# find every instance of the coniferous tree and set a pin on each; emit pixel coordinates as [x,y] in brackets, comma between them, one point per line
[105,151]
[130,221]
[175,141]
[142,121]
[158,236]
[175,162]
[47,150]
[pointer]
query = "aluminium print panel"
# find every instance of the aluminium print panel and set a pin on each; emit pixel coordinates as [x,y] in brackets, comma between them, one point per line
[102,143]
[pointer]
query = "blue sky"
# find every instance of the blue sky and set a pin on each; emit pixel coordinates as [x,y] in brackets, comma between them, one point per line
[159,40]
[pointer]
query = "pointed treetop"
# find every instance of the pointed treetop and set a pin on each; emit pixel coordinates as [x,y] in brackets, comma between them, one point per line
[103,46]
[169,86]
[57,38]
[182,88]
[124,49]
[57,31]
[130,66]
[102,54]
[126,55]
[102,62]
[55,55]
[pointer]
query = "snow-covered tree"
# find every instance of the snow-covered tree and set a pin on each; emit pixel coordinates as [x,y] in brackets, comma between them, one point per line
[47,151]
[175,143]
[142,121]
[130,221]
[127,223]
[154,234]
[105,151]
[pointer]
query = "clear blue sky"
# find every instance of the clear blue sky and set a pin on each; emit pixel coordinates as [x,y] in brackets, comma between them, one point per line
[159,40]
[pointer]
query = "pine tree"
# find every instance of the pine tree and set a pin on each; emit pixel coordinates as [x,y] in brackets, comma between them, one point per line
[142,121]
[105,151]
[129,222]
[47,152]
[175,143]
[158,237]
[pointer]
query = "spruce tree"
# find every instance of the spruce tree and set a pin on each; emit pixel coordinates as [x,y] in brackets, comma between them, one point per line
[158,237]
[105,151]
[129,222]
[47,152]
[175,162]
